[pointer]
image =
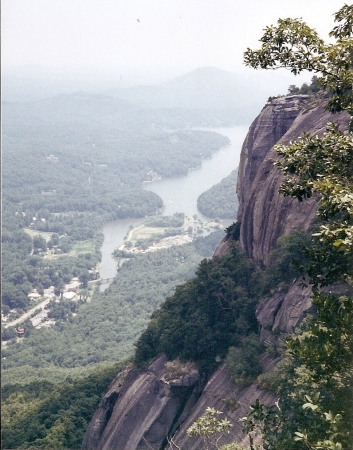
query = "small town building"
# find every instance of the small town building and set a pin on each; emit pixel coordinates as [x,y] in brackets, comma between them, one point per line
[36,321]
[20,332]
[69,295]
[34,295]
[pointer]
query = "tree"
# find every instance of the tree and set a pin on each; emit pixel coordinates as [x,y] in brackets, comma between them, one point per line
[84,277]
[8,333]
[210,428]
[6,310]
[243,361]
[13,296]
[320,357]
[39,243]
[295,46]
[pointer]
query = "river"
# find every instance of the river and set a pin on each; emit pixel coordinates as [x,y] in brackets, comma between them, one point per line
[179,194]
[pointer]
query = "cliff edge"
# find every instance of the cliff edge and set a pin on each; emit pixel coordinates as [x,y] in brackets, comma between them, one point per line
[263,213]
[165,399]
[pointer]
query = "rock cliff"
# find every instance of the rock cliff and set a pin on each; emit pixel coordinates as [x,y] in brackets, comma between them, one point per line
[167,398]
[263,213]
[149,406]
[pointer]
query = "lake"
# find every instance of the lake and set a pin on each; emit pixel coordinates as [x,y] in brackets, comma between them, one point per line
[179,194]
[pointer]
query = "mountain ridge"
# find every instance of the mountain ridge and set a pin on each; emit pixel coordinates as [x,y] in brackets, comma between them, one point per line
[206,87]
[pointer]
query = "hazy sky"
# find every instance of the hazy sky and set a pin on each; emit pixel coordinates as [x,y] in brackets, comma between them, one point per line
[170,36]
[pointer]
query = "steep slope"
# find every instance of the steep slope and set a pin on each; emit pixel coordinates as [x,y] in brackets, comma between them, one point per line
[263,213]
[264,216]
[147,408]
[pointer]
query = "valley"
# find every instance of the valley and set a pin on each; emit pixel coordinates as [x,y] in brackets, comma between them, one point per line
[176,258]
[57,202]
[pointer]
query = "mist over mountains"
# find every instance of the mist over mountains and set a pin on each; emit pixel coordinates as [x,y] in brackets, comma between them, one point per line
[203,97]
[206,87]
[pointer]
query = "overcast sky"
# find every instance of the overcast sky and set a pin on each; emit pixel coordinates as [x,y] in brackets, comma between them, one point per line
[167,36]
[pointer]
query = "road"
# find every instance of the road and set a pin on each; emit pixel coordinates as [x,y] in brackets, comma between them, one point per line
[48,293]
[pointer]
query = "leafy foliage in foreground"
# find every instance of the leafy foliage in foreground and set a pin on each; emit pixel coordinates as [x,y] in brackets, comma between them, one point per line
[316,381]
[314,384]
[210,427]
[329,174]
[295,46]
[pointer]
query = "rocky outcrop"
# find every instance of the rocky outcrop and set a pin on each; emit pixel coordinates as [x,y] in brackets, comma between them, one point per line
[104,411]
[233,400]
[165,399]
[263,213]
[268,128]
[280,315]
[148,407]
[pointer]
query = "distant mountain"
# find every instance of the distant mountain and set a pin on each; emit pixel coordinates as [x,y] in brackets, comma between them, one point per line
[32,84]
[203,97]
[206,87]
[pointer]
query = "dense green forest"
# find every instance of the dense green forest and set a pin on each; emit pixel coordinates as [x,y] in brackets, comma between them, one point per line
[87,153]
[220,299]
[71,163]
[105,328]
[215,310]
[206,315]
[220,200]
[43,414]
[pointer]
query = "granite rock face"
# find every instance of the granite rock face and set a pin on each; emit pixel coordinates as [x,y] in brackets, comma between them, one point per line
[263,213]
[146,409]
[103,413]
[233,400]
[279,315]
[268,128]
[140,412]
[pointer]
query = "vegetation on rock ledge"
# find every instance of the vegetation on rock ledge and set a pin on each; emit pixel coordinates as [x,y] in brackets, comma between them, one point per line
[316,388]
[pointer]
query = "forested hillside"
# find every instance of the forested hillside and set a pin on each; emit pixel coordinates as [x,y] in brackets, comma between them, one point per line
[208,203]
[44,414]
[213,318]
[71,163]
[105,329]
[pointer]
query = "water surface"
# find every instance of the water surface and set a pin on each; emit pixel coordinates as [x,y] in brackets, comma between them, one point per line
[179,194]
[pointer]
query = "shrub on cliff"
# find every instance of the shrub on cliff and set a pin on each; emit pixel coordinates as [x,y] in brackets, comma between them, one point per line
[207,314]
[243,362]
